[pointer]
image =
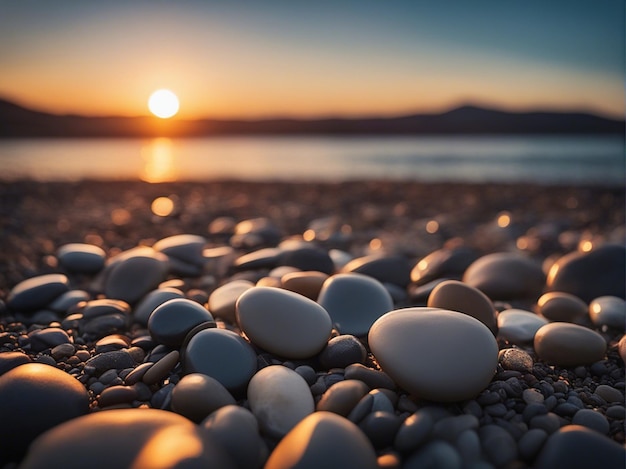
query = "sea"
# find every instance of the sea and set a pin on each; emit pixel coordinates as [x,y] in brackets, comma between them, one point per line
[537,159]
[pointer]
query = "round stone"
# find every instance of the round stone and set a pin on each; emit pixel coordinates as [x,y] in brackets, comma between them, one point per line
[37,292]
[42,339]
[81,258]
[565,344]
[255,232]
[197,395]
[33,399]
[518,326]
[560,306]
[429,351]
[591,419]
[515,359]
[307,283]
[327,437]
[223,299]
[143,310]
[279,398]
[342,351]
[131,438]
[457,296]
[223,355]
[283,322]
[608,311]
[413,432]
[386,269]
[342,397]
[445,262]
[184,247]
[265,258]
[307,258]
[170,322]
[592,274]
[354,301]
[506,276]
[609,393]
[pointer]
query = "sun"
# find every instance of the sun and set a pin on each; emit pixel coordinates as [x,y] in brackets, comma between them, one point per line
[163,103]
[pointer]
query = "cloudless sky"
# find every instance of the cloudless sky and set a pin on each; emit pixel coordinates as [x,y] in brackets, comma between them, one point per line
[316,58]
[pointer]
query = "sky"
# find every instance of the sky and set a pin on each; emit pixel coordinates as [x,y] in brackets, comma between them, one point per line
[289,58]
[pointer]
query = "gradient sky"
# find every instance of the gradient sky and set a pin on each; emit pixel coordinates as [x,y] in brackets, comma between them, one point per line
[266,58]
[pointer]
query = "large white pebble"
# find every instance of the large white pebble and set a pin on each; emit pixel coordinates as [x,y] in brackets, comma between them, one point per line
[283,322]
[436,354]
[279,398]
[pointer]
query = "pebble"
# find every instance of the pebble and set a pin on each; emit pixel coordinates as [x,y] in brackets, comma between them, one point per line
[515,359]
[518,326]
[448,262]
[342,351]
[457,296]
[531,443]
[307,258]
[498,445]
[506,276]
[621,348]
[223,299]
[81,258]
[35,398]
[279,398]
[254,233]
[127,438]
[565,344]
[223,355]
[116,395]
[449,428]
[307,283]
[354,301]
[42,339]
[61,351]
[532,396]
[589,275]
[591,419]
[560,306]
[609,394]
[380,427]
[170,322]
[608,311]
[155,298]
[197,395]
[70,299]
[436,453]
[373,378]
[413,432]
[324,436]
[343,396]
[117,359]
[386,269]
[283,322]
[184,247]
[428,351]
[265,258]
[37,292]
[161,369]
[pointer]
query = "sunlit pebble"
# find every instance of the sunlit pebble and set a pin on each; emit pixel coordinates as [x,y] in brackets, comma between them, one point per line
[120,216]
[585,245]
[51,261]
[504,219]
[162,206]
[95,239]
[376,244]
[432,227]
[308,235]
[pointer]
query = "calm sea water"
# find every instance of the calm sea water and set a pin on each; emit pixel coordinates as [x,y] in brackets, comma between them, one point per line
[539,159]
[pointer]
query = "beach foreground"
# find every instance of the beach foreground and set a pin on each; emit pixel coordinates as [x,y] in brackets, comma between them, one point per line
[154,302]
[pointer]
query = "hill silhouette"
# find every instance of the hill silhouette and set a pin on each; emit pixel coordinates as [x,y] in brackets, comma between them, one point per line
[18,121]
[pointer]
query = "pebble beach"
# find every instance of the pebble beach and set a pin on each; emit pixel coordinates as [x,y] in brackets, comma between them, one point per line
[365,324]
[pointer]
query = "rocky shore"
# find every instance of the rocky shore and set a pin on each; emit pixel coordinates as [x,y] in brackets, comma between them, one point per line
[350,324]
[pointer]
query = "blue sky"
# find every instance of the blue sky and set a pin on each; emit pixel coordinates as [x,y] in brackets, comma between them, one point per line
[268,58]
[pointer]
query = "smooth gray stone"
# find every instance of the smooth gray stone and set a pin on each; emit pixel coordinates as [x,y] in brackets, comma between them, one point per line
[184,247]
[223,355]
[589,275]
[565,344]
[515,359]
[354,301]
[284,323]
[162,368]
[117,395]
[608,311]
[81,258]
[342,351]
[530,443]
[616,412]
[61,351]
[104,307]
[236,430]
[9,360]
[428,351]
[449,428]
[609,393]
[223,299]
[578,447]
[37,292]
[592,419]
[324,437]
[532,396]
[143,309]
[498,445]
[307,258]
[561,306]
[549,422]
[506,276]
[380,427]
[467,444]
[385,269]
[373,378]
[42,339]
[197,395]
[414,431]
[255,232]
[132,438]
[519,326]
[342,397]
[443,263]
[434,454]
[102,326]
[33,399]
[170,322]
[308,373]
[67,300]
[266,258]
[117,360]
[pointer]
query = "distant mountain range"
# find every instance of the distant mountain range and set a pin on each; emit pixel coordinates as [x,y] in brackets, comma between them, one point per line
[18,121]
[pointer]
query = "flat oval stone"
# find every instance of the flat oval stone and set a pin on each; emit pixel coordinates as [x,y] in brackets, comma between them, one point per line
[114,360]
[170,322]
[445,262]
[279,398]
[342,397]
[283,322]
[457,296]
[515,359]
[236,429]
[506,276]
[33,399]
[37,292]
[324,436]
[565,344]
[608,311]
[385,269]
[589,275]
[223,299]
[561,306]
[354,301]
[307,258]
[518,326]
[67,300]
[197,395]
[307,283]
[591,419]
[81,258]
[42,339]
[134,273]
[429,351]
[255,232]
[133,438]
[609,393]
[184,247]
[161,368]
[223,355]
[9,360]
[143,309]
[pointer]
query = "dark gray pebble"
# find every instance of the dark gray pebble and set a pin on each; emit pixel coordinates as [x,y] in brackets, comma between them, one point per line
[413,432]
[498,445]
[117,395]
[449,428]
[437,453]
[385,269]
[170,322]
[591,419]
[37,292]
[373,378]
[307,259]
[136,375]
[342,351]
[161,369]
[380,427]
[549,422]
[118,360]
[468,445]
[308,373]
[531,442]
[342,397]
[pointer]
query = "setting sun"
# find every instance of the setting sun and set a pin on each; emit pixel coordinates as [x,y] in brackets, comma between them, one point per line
[163,103]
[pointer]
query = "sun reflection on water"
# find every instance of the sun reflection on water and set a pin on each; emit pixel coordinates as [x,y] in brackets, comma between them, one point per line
[158,161]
